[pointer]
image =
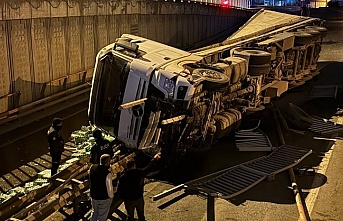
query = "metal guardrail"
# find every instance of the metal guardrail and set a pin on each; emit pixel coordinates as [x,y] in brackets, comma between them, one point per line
[64,79]
[233,181]
[17,93]
[252,141]
[43,103]
[21,111]
[324,126]
[74,97]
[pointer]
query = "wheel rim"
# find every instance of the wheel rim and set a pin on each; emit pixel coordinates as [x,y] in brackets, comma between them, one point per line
[210,74]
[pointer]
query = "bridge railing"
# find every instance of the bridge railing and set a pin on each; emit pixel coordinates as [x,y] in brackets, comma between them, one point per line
[63,81]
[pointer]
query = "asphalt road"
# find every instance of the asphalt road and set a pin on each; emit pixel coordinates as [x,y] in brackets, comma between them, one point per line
[327,204]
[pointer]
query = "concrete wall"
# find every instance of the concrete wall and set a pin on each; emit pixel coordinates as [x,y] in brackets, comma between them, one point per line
[45,40]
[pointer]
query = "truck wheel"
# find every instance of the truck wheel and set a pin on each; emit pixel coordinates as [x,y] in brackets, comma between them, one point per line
[252,110]
[213,80]
[259,69]
[200,152]
[323,31]
[255,56]
[236,74]
[297,117]
[302,38]
[227,69]
[315,34]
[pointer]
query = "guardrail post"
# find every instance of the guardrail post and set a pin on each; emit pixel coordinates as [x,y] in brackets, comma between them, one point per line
[65,83]
[42,90]
[75,203]
[302,209]
[84,74]
[16,99]
[210,208]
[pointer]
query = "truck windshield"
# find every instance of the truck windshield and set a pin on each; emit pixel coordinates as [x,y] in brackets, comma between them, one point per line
[107,93]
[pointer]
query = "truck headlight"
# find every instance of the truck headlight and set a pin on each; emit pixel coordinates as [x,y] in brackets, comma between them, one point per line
[169,86]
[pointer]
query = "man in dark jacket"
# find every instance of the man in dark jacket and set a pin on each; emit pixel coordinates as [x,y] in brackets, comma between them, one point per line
[131,188]
[56,144]
[101,188]
[100,147]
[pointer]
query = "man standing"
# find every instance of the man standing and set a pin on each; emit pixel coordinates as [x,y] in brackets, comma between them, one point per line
[56,144]
[100,147]
[101,188]
[131,188]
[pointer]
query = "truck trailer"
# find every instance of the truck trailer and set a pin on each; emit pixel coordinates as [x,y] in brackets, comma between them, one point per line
[152,96]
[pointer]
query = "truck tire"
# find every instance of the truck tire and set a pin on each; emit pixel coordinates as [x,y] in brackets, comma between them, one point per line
[259,69]
[302,38]
[200,152]
[236,73]
[323,31]
[297,117]
[252,110]
[213,80]
[227,69]
[254,56]
[315,34]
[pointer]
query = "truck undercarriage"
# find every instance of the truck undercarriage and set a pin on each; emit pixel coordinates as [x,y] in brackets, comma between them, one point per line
[162,98]
[153,97]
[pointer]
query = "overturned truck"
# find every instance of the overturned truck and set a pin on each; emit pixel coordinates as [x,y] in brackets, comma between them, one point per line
[153,96]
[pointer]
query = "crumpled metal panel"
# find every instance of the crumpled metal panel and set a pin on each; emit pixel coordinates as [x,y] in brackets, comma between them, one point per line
[324,91]
[324,126]
[252,141]
[238,179]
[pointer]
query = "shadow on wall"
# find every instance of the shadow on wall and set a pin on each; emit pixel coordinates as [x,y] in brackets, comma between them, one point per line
[29,91]
[178,40]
